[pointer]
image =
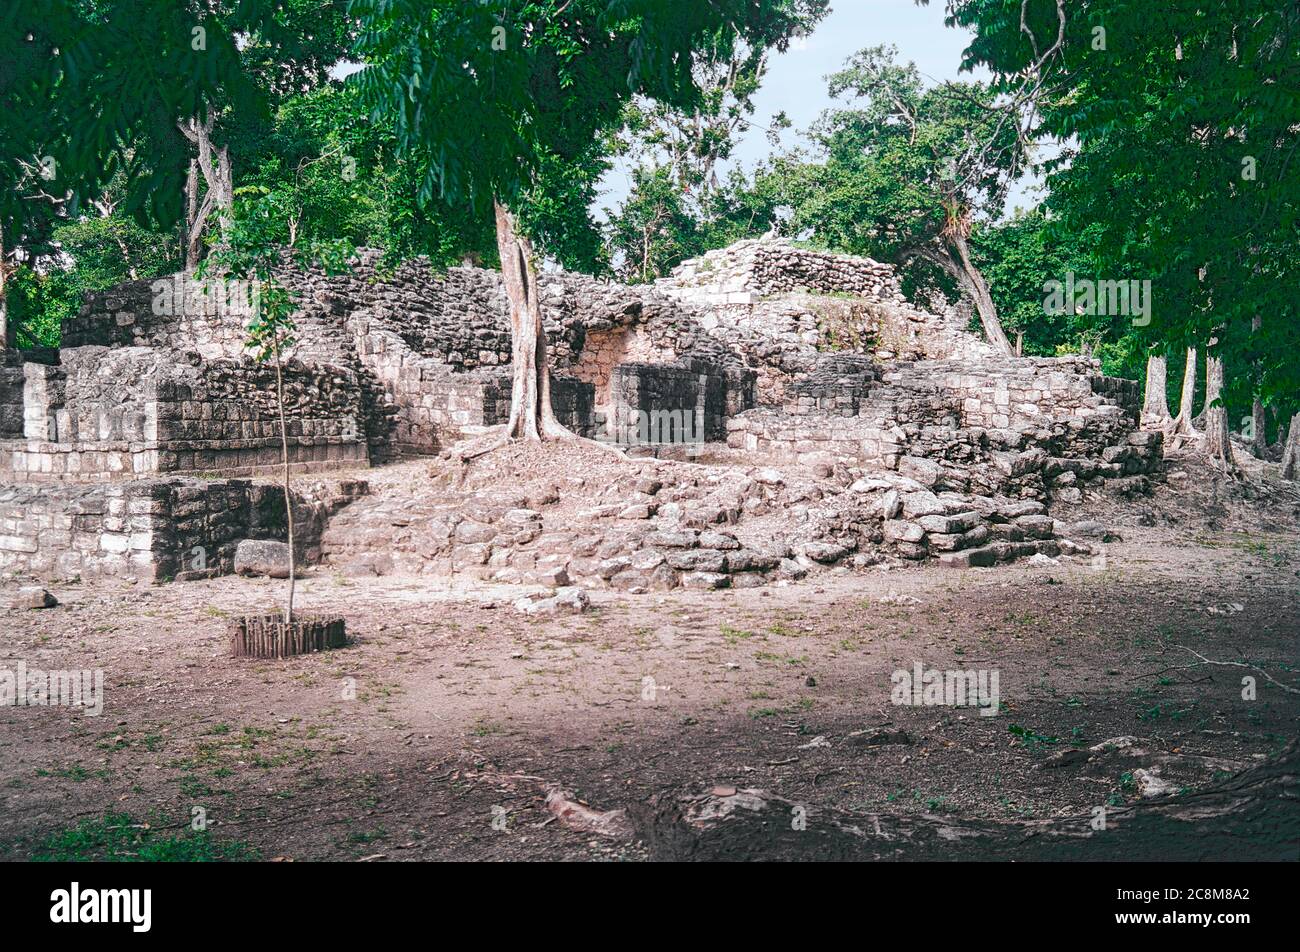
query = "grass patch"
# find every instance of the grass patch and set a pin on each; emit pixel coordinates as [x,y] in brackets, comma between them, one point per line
[117,838]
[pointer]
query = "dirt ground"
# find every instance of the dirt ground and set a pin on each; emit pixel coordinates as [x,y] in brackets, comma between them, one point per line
[436,733]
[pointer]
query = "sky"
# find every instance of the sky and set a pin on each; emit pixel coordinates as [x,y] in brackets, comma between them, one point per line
[796,79]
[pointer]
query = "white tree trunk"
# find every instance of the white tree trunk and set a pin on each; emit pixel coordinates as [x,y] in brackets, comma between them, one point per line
[531,415]
[1180,428]
[1291,450]
[1218,444]
[218,180]
[1155,407]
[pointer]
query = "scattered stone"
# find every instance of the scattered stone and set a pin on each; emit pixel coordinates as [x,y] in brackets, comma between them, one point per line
[983,557]
[893,598]
[262,557]
[1150,784]
[949,525]
[922,504]
[924,471]
[792,570]
[826,553]
[897,530]
[698,560]
[556,576]
[718,540]
[705,580]
[33,597]
[569,600]
[1036,527]
[685,539]
[471,533]
[747,560]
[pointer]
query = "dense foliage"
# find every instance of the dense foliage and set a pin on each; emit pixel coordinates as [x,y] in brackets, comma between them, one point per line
[1179,161]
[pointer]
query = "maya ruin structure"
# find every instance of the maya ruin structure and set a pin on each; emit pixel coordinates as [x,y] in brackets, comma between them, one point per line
[793,411]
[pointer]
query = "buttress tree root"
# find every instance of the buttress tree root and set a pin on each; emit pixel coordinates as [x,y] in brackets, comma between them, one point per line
[532,415]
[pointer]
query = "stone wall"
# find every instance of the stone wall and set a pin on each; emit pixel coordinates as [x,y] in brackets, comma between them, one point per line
[172,314]
[787,312]
[12,382]
[153,529]
[838,385]
[108,413]
[1009,392]
[409,360]
[605,350]
[656,404]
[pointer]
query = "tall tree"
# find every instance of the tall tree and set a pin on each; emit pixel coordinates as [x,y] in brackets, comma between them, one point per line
[1291,450]
[32,44]
[1181,429]
[287,51]
[691,143]
[910,171]
[83,104]
[495,93]
[1178,138]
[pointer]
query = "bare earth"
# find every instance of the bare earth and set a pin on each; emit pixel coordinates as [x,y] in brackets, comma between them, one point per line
[466,711]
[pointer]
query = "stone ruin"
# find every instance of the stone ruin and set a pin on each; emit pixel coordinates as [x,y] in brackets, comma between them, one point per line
[806,379]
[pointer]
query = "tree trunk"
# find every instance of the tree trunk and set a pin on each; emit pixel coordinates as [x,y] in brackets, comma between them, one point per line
[1259,428]
[6,332]
[1218,444]
[531,415]
[1155,408]
[218,179]
[1180,428]
[1258,420]
[972,281]
[190,234]
[1291,450]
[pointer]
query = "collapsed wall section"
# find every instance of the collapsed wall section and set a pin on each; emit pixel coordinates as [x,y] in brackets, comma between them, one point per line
[791,314]
[746,270]
[1025,428]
